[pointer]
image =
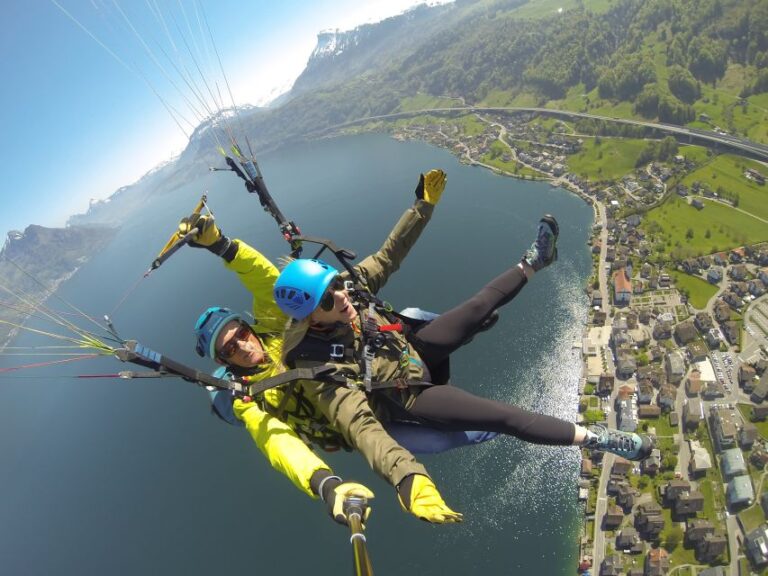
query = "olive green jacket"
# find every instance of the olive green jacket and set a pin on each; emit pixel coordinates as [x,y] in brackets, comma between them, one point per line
[348,409]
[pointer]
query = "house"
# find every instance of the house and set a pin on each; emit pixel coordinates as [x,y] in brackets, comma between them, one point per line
[599,317]
[626,366]
[625,496]
[675,367]
[693,384]
[738,272]
[731,331]
[628,540]
[722,311]
[700,461]
[605,385]
[697,351]
[648,411]
[721,259]
[739,492]
[711,546]
[733,300]
[622,288]
[621,466]
[625,413]
[703,322]
[741,289]
[714,275]
[597,299]
[759,413]
[673,489]
[760,391]
[697,203]
[652,464]
[693,413]
[645,392]
[666,397]
[662,330]
[759,458]
[586,468]
[656,562]
[688,503]
[611,566]
[712,338]
[732,463]
[649,520]
[724,427]
[696,529]
[748,435]
[747,377]
[756,288]
[685,332]
[652,375]
[712,389]
[756,543]
[613,518]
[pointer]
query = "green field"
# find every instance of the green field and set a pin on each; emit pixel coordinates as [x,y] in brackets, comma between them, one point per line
[697,154]
[470,125]
[611,159]
[699,291]
[512,167]
[752,517]
[727,171]
[715,228]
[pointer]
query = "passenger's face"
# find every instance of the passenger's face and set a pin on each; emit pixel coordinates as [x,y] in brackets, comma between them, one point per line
[237,344]
[335,306]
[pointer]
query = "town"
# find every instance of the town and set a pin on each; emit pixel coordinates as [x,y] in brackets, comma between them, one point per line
[676,342]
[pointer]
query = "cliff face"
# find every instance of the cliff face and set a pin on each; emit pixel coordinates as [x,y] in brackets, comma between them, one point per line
[48,256]
[342,55]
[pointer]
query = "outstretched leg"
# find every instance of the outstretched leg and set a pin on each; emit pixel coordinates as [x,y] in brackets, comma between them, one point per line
[438,339]
[452,408]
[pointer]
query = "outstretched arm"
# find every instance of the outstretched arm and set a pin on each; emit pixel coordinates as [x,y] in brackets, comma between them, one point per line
[376,269]
[253,269]
[348,411]
[286,452]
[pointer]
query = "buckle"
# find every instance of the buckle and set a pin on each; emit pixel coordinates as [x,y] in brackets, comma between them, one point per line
[349,286]
[400,383]
[337,351]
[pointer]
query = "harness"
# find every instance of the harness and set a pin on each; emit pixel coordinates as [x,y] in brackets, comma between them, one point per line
[375,337]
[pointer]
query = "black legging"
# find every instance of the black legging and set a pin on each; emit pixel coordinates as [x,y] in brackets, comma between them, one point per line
[452,408]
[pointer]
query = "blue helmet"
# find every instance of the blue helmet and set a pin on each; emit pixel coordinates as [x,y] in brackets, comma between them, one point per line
[209,326]
[301,285]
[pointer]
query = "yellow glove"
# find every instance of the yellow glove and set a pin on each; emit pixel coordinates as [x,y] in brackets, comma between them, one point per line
[336,498]
[431,186]
[427,504]
[207,231]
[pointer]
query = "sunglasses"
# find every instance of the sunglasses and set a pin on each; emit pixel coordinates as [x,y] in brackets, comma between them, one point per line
[327,302]
[231,346]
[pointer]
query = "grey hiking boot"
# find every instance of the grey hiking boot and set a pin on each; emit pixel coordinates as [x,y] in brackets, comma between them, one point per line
[625,444]
[544,250]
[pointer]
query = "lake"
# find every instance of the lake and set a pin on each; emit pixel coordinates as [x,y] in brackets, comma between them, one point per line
[111,476]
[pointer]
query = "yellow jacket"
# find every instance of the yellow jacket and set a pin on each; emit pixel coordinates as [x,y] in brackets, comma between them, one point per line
[282,446]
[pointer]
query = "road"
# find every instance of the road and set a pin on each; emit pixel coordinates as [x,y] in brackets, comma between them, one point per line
[706,137]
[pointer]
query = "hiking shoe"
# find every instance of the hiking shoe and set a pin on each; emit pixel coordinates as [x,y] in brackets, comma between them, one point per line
[625,444]
[544,250]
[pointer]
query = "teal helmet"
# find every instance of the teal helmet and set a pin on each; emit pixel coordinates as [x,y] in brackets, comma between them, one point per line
[301,285]
[208,327]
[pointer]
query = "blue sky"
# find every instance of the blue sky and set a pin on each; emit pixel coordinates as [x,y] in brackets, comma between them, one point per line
[76,124]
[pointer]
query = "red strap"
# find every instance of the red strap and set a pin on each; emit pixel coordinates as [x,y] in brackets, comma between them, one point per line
[391,327]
